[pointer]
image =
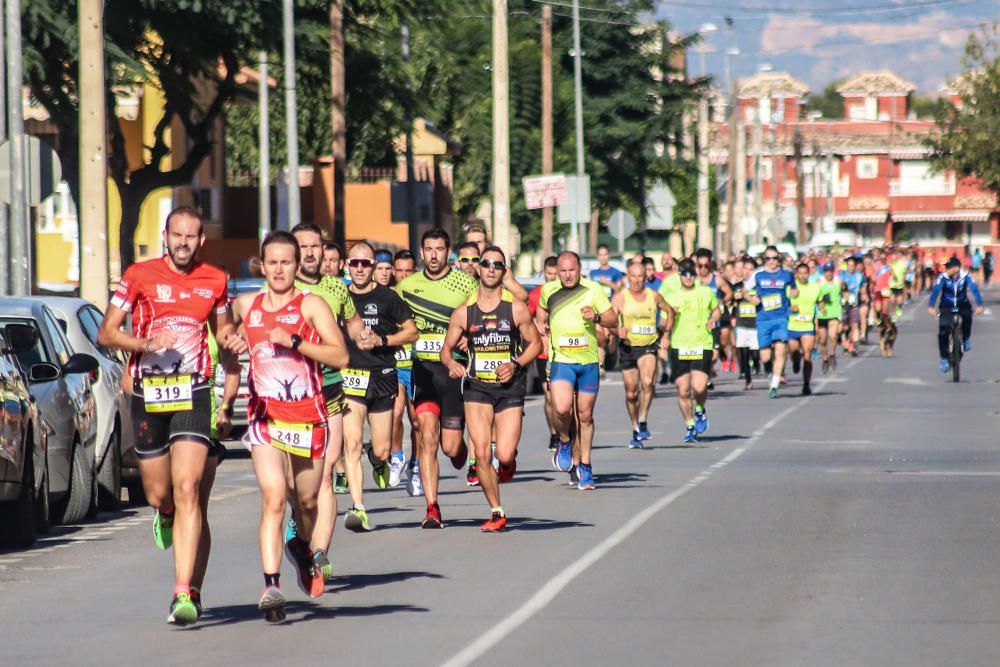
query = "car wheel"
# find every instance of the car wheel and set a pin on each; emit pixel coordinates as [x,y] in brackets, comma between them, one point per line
[76,505]
[18,517]
[43,514]
[109,477]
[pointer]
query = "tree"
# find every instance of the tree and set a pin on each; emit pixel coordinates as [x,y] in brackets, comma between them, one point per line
[830,103]
[193,50]
[965,141]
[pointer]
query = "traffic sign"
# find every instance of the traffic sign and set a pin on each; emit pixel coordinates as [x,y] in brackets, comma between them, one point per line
[660,207]
[576,208]
[621,224]
[44,171]
[544,191]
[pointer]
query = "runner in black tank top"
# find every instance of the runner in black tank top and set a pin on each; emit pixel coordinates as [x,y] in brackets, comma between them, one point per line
[502,340]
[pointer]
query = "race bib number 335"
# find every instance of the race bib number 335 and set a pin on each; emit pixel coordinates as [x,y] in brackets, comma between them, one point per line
[429,346]
[167,394]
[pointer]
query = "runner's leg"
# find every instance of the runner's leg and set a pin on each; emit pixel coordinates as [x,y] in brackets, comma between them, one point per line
[205,543]
[430,436]
[479,422]
[585,413]
[326,515]
[269,467]
[187,467]
[630,378]
[647,380]
[354,429]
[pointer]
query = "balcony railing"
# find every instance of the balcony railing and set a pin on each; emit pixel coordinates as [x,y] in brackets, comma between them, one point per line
[927,187]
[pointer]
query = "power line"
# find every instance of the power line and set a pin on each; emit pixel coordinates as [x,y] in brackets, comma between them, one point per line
[808,11]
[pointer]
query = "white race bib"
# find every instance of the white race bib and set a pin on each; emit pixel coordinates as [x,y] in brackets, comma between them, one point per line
[429,346]
[771,301]
[690,354]
[402,353]
[573,342]
[171,393]
[355,381]
[487,363]
[643,329]
[747,309]
[802,317]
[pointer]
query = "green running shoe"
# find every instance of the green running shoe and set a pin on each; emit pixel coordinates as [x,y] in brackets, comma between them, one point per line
[182,610]
[163,530]
[323,564]
[380,472]
[356,520]
[340,483]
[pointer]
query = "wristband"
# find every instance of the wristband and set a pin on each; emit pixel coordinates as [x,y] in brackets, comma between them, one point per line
[145,348]
[296,341]
[385,339]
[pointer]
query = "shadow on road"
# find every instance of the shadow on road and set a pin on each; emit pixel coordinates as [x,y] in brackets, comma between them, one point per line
[241,613]
[530,523]
[350,582]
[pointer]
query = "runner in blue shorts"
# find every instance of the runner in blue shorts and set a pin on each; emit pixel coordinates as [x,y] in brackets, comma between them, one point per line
[769,289]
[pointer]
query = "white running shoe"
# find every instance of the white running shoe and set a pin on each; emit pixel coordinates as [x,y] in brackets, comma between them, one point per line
[395,470]
[413,485]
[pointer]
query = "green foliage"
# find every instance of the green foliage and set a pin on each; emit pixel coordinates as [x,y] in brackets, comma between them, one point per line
[967,136]
[829,102]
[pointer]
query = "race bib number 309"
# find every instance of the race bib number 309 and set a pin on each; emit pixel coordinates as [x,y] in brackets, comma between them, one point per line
[167,394]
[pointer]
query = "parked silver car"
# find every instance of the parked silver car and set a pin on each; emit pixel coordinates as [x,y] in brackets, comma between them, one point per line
[60,381]
[24,489]
[117,464]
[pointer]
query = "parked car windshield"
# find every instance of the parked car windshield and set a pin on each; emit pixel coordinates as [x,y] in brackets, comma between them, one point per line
[58,338]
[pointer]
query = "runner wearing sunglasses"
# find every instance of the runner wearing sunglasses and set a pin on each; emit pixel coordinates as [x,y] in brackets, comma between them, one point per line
[370,378]
[501,339]
[770,289]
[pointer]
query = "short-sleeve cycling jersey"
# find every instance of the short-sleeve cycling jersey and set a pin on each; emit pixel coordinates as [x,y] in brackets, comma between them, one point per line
[639,318]
[333,290]
[898,268]
[161,299]
[611,273]
[830,292]
[573,338]
[854,282]
[770,287]
[693,308]
[805,302]
[432,302]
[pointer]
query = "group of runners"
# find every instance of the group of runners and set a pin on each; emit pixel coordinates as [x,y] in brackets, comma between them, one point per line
[445,347]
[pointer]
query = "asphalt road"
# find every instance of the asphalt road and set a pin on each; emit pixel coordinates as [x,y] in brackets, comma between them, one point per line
[855,527]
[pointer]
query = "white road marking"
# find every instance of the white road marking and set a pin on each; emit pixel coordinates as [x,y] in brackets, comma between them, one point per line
[946,473]
[556,584]
[831,442]
[916,382]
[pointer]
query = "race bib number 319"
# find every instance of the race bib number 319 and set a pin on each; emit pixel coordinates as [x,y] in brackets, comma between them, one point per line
[167,394]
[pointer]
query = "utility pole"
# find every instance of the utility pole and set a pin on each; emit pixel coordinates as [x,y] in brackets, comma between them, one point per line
[338,113]
[263,150]
[578,98]
[740,192]
[20,223]
[800,194]
[291,115]
[93,156]
[547,122]
[4,227]
[775,225]
[411,197]
[734,186]
[758,140]
[501,129]
[704,230]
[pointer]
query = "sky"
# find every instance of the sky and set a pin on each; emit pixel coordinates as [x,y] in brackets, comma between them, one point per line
[820,41]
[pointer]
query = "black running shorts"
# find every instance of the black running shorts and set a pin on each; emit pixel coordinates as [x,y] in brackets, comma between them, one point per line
[155,431]
[435,392]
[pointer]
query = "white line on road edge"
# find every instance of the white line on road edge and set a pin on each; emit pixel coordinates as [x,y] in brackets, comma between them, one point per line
[556,584]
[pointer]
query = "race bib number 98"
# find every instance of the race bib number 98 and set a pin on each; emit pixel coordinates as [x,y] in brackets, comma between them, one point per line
[573,342]
[167,394]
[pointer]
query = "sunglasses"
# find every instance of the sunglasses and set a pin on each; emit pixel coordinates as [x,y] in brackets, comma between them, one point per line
[687,274]
[770,257]
[360,262]
[469,260]
[496,265]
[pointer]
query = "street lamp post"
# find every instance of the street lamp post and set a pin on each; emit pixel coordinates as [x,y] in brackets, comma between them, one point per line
[705,239]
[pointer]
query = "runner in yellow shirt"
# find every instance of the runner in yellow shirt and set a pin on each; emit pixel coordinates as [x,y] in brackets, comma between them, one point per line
[802,325]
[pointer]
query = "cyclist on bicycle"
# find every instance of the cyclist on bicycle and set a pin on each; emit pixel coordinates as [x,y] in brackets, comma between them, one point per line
[952,289]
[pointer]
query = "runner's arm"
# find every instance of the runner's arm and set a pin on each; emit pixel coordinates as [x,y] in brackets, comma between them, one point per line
[618,303]
[111,334]
[332,351]
[456,331]
[223,325]
[713,319]
[726,289]
[542,319]
[529,334]
[932,302]
[514,287]
[667,321]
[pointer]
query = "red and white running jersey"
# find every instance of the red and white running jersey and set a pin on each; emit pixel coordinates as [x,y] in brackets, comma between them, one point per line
[160,299]
[284,384]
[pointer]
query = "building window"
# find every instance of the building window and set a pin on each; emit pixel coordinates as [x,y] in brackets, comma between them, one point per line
[867,167]
[765,168]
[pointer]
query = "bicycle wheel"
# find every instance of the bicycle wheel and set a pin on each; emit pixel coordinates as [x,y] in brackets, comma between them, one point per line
[956,348]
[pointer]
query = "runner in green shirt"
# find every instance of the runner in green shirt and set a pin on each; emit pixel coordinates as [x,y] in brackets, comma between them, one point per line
[696,311]
[433,294]
[569,310]
[333,290]
[801,324]
[831,310]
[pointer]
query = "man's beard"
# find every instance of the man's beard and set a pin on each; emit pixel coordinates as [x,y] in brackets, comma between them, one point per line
[180,263]
[313,273]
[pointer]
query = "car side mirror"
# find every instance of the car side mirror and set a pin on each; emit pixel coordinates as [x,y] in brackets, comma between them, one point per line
[44,372]
[80,363]
[21,337]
